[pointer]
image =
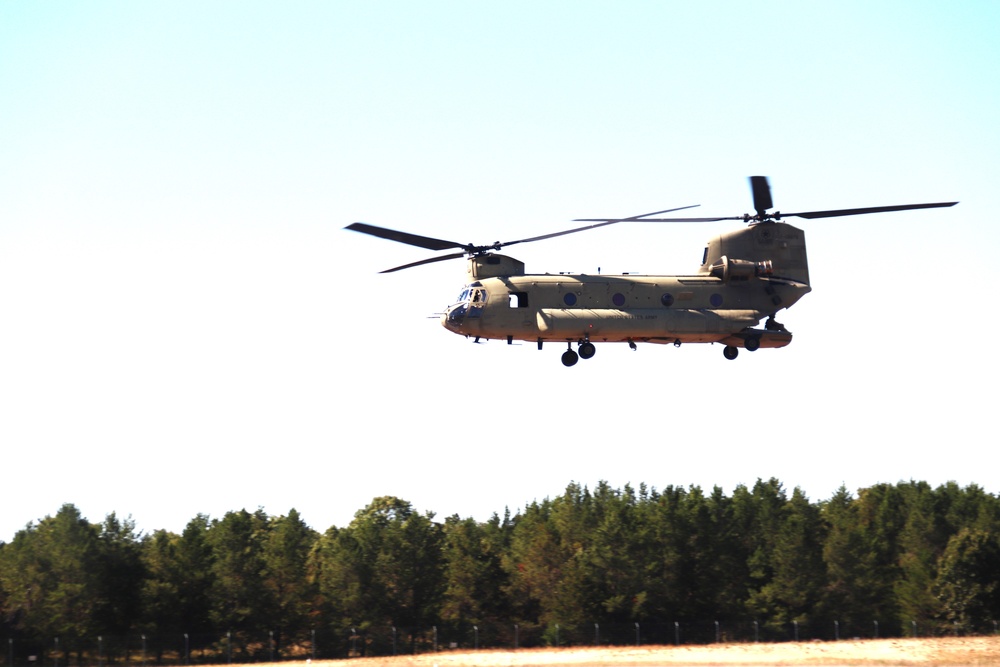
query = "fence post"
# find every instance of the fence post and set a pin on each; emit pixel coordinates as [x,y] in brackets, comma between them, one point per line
[796,624]
[756,631]
[677,633]
[56,658]
[836,630]
[229,645]
[637,633]
[394,640]
[717,634]
[517,629]
[597,634]
[475,629]
[876,629]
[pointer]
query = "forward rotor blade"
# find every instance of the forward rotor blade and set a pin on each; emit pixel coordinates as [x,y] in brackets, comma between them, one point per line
[862,211]
[761,194]
[601,223]
[405,237]
[442,258]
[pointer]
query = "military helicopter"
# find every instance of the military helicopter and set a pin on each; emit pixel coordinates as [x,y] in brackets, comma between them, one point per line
[746,276]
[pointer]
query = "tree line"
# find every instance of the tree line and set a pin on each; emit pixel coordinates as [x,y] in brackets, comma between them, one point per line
[879,561]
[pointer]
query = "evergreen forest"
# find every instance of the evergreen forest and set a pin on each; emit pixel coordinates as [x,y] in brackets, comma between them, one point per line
[591,566]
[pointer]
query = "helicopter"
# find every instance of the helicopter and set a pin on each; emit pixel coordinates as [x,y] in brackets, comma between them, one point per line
[746,276]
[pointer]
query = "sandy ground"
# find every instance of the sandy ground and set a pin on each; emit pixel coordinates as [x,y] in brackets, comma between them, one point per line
[950,652]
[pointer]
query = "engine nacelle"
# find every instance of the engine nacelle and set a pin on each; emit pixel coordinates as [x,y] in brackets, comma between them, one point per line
[740,269]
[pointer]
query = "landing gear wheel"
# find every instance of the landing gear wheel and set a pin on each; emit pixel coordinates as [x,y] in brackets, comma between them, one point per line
[569,358]
[752,343]
[587,350]
[730,352]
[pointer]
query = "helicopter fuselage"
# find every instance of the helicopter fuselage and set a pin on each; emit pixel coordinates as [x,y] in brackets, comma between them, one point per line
[746,275]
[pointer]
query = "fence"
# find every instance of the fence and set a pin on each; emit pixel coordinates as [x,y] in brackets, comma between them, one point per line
[231,648]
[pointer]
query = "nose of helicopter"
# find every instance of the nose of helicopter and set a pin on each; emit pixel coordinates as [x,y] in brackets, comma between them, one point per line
[453,317]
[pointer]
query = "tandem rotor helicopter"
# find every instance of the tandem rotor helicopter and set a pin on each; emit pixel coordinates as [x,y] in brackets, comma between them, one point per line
[746,276]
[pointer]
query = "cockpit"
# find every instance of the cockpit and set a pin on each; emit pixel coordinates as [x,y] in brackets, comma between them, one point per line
[468,306]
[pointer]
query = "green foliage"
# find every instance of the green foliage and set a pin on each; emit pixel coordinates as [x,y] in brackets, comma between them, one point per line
[894,554]
[241,602]
[967,584]
[385,569]
[793,562]
[285,554]
[52,577]
[474,573]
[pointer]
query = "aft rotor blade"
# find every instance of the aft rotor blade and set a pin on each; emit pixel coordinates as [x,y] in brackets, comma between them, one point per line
[442,258]
[761,194]
[405,237]
[807,214]
[601,222]
[862,211]
[643,219]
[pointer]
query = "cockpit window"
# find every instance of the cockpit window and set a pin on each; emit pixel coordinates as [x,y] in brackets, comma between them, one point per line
[475,295]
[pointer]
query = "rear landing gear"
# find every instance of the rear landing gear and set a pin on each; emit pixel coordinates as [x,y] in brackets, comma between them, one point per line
[569,357]
[587,350]
[731,352]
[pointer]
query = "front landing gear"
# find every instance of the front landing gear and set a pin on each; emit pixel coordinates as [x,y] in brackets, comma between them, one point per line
[586,351]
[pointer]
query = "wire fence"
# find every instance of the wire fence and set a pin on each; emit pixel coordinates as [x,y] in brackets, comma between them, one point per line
[232,648]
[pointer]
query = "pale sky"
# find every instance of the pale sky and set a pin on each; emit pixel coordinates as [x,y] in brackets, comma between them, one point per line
[186,327]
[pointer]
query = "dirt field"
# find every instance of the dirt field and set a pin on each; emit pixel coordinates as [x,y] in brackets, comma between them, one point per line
[950,652]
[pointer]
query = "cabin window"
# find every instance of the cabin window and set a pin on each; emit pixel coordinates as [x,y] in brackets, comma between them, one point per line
[667,299]
[479,296]
[569,299]
[518,299]
[618,299]
[704,257]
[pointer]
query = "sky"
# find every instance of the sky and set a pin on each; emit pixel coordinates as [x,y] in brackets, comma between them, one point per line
[187,328]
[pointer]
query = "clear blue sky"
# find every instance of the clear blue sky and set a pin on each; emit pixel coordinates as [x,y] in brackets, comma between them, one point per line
[185,327]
